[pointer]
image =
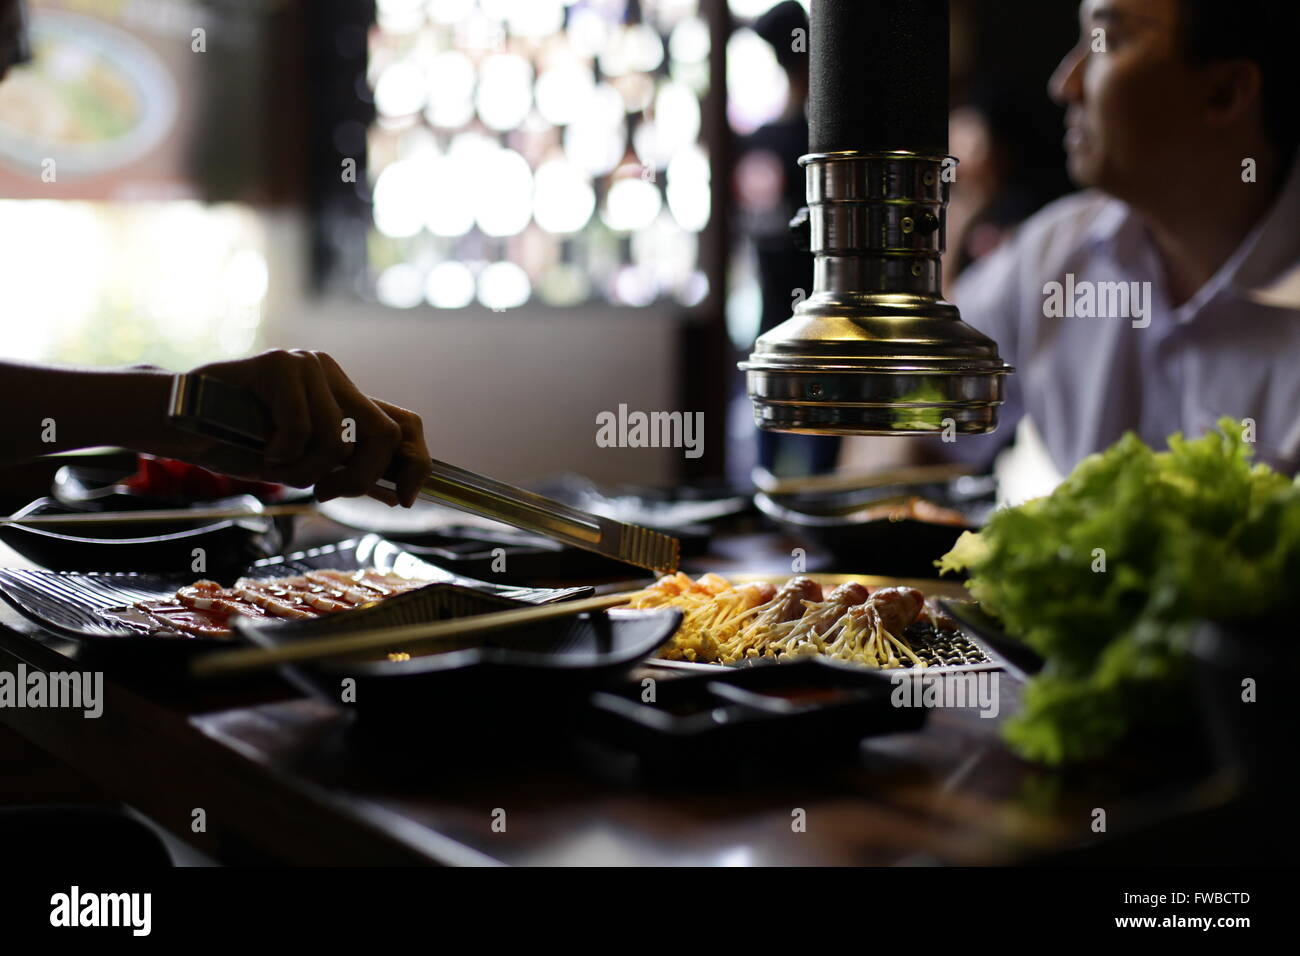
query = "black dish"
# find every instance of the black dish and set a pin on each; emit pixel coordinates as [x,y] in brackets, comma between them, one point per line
[481,548]
[520,558]
[153,547]
[73,605]
[1248,731]
[769,716]
[515,557]
[908,547]
[83,486]
[538,669]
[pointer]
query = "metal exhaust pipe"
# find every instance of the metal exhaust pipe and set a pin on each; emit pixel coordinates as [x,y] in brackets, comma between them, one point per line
[875,350]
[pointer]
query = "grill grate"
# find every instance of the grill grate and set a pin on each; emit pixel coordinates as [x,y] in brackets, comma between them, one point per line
[944,647]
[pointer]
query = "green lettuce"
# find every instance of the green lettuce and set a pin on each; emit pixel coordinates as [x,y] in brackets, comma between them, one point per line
[1105,577]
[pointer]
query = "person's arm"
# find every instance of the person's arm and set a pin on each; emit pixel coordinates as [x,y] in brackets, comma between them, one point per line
[50,409]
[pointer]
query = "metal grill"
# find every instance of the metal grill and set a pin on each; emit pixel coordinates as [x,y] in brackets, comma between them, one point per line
[944,647]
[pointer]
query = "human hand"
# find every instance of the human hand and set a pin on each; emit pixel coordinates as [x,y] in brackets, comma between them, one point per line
[325,431]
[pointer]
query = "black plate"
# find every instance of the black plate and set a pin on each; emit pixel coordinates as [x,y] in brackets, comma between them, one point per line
[1017,657]
[72,605]
[480,548]
[85,486]
[836,521]
[536,668]
[510,556]
[517,557]
[155,547]
[769,715]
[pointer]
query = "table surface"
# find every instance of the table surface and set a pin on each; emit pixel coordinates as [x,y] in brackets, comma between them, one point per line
[279,777]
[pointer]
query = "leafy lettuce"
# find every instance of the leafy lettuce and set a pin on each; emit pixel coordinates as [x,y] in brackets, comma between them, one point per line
[1106,576]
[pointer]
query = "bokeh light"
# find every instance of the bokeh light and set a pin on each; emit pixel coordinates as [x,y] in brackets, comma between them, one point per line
[757,87]
[451,80]
[450,285]
[504,189]
[689,196]
[563,199]
[522,147]
[632,203]
[397,210]
[505,91]
[563,91]
[400,286]
[503,285]
[401,89]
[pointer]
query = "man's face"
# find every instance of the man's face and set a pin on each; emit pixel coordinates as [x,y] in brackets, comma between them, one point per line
[13,35]
[1131,101]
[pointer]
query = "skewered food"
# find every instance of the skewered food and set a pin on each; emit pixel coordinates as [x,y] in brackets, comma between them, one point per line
[205,608]
[725,624]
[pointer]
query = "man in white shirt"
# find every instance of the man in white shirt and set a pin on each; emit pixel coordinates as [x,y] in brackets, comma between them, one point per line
[1167,294]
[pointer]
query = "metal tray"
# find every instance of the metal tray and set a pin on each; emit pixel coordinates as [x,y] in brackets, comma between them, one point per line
[943,650]
[1018,658]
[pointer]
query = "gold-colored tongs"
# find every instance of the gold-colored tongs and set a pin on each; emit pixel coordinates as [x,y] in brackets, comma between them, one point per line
[208,406]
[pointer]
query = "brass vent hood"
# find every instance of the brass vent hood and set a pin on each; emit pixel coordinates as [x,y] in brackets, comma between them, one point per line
[874,349]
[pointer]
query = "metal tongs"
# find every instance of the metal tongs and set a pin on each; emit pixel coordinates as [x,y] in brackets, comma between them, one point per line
[211,407]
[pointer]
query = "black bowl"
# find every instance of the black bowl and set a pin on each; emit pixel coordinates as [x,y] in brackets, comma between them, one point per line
[150,547]
[83,486]
[838,521]
[1244,677]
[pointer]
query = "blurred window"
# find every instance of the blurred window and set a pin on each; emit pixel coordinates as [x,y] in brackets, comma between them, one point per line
[124,234]
[538,151]
[106,283]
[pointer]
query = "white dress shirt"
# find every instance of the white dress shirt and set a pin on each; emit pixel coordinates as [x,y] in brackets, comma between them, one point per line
[1232,349]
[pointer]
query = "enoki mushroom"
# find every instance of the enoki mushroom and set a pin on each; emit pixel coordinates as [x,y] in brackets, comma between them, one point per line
[770,621]
[805,635]
[713,610]
[860,636]
[726,624]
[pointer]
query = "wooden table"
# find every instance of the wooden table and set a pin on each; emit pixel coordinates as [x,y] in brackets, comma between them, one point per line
[283,778]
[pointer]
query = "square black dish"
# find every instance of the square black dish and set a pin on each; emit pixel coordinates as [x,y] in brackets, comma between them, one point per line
[157,547]
[80,607]
[772,713]
[487,680]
